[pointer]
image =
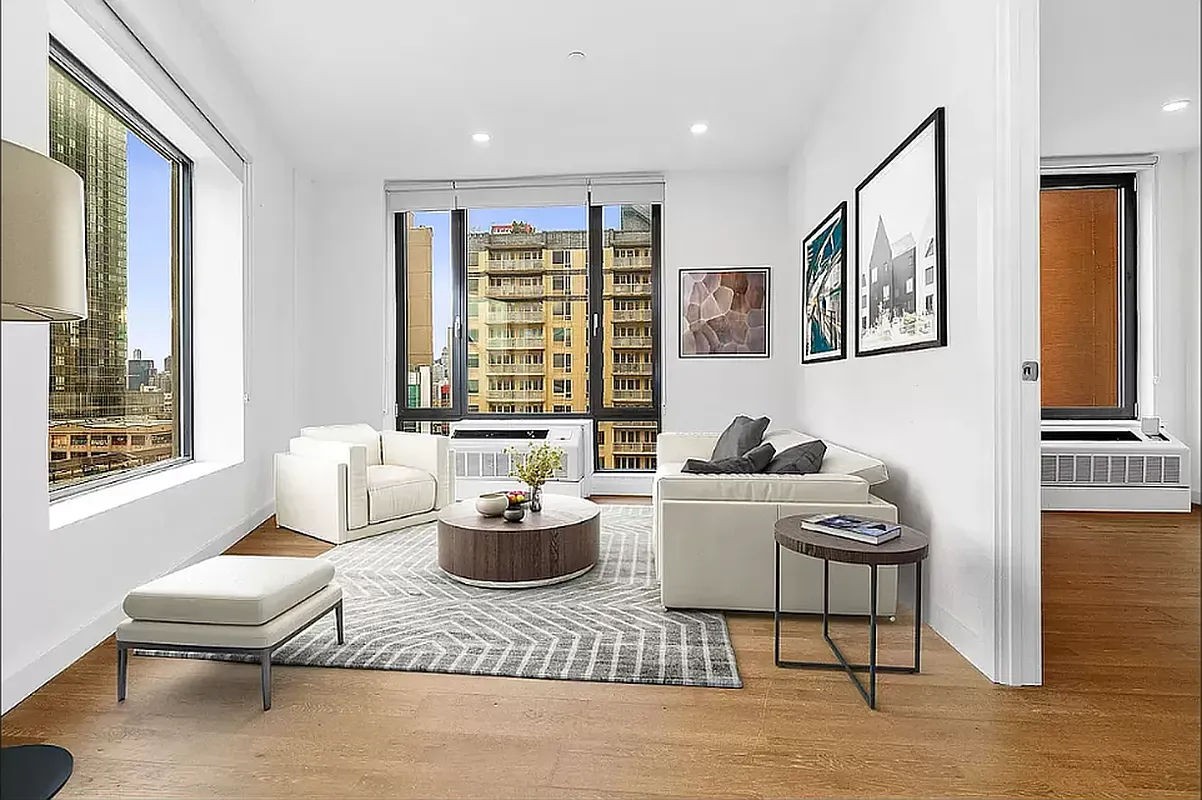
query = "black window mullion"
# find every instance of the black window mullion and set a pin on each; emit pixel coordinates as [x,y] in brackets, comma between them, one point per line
[596,310]
[458,341]
[460,323]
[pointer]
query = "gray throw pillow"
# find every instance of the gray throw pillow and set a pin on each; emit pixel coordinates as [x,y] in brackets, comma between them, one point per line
[802,459]
[739,437]
[753,461]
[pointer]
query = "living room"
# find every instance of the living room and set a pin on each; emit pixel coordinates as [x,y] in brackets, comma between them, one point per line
[621,228]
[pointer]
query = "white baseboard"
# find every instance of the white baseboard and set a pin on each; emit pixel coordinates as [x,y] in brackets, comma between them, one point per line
[959,636]
[28,679]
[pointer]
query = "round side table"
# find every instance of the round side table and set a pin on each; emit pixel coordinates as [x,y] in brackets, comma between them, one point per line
[909,548]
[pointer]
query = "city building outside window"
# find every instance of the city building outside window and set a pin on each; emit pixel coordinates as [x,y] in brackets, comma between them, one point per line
[528,283]
[119,389]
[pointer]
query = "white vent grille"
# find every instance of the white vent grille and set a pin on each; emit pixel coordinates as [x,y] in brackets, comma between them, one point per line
[1134,470]
[481,464]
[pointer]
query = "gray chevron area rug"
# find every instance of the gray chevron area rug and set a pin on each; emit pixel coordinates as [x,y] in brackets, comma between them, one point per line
[403,613]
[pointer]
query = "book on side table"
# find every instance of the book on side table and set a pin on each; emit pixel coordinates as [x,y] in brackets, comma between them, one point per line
[849,526]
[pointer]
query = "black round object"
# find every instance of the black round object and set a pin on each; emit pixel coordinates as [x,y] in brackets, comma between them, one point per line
[33,771]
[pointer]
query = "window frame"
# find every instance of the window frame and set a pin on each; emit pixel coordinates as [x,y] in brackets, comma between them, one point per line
[183,396]
[1128,306]
[596,412]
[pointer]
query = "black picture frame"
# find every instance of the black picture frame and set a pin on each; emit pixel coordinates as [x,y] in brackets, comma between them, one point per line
[838,216]
[766,272]
[935,120]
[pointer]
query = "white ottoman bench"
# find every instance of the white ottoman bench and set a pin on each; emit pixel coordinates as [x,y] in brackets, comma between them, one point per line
[246,605]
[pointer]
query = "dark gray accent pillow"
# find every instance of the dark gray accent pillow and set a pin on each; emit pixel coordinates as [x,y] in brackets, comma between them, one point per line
[802,459]
[753,461]
[739,437]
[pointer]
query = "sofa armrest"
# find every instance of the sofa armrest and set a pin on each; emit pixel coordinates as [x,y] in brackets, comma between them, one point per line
[327,450]
[679,447]
[310,495]
[427,452]
[354,456]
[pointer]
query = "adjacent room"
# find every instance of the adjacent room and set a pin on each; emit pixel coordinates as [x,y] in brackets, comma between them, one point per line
[630,400]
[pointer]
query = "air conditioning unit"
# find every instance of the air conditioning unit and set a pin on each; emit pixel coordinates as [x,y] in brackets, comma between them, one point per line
[482,465]
[1109,467]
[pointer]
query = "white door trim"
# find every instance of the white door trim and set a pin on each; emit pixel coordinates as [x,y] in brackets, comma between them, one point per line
[1018,601]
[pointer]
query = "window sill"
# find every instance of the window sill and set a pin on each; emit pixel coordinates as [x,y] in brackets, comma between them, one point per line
[70,510]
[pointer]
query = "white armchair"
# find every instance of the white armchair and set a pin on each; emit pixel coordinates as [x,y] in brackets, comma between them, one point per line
[345,482]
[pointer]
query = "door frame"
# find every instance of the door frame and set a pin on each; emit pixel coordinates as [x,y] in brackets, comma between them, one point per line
[1018,623]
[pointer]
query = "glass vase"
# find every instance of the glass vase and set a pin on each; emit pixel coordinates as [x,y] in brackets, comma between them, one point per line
[536,498]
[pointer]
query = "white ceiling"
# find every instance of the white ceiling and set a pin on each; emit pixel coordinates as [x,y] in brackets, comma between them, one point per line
[396,88]
[1106,68]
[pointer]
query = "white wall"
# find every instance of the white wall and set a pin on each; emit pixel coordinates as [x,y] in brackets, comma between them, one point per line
[62,588]
[343,287]
[1192,295]
[928,414]
[714,219]
[345,293]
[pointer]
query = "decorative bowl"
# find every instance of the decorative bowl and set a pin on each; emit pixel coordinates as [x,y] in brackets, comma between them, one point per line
[514,514]
[492,504]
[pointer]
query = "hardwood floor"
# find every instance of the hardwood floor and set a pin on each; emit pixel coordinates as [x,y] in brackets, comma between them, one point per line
[1118,716]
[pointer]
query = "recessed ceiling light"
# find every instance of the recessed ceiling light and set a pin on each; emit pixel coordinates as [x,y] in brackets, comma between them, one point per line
[1175,105]
[698,128]
[577,55]
[481,138]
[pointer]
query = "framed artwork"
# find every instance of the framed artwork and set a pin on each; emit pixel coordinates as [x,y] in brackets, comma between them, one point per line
[724,312]
[901,247]
[823,300]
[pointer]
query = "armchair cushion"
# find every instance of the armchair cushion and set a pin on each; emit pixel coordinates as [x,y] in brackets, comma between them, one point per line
[357,433]
[394,491]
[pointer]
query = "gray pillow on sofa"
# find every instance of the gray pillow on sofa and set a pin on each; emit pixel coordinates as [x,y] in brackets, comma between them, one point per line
[801,459]
[754,460]
[739,437]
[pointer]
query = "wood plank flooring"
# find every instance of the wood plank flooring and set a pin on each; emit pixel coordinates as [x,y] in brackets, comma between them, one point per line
[1118,716]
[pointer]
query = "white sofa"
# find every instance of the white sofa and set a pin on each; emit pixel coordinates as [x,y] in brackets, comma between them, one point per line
[714,533]
[345,482]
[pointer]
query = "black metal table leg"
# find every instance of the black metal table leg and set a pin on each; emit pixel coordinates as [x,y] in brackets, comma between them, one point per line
[917,616]
[776,611]
[872,640]
[842,663]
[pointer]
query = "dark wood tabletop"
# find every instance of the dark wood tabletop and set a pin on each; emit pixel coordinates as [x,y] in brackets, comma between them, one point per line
[910,547]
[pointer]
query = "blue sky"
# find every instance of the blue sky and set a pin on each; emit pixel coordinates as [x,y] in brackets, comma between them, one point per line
[548,218]
[148,203]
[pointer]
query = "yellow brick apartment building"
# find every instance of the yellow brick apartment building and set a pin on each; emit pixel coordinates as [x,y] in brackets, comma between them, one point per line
[528,326]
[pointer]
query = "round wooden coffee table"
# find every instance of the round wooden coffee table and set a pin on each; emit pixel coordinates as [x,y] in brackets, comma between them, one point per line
[557,544]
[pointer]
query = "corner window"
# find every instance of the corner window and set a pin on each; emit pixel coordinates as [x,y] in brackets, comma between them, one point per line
[120,382]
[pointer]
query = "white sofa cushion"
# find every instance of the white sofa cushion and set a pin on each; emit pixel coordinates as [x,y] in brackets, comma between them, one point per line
[837,461]
[394,491]
[230,590]
[357,433]
[672,484]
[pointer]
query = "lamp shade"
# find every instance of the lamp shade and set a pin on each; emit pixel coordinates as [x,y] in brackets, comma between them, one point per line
[43,274]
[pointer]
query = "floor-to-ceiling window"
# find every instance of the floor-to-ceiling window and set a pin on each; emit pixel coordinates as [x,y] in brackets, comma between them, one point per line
[535,311]
[119,380]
